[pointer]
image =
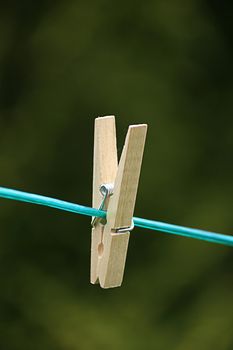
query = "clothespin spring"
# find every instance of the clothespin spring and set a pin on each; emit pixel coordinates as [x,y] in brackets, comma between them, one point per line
[124,229]
[106,190]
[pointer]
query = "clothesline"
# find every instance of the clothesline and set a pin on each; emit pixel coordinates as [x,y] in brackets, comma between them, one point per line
[139,222]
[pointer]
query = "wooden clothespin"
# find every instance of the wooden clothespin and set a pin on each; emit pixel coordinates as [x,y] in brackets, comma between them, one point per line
[114,190]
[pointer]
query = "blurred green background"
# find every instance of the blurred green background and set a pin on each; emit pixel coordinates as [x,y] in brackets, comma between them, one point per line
[165,63]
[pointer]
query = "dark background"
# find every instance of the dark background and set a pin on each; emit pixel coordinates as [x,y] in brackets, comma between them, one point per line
[165,63]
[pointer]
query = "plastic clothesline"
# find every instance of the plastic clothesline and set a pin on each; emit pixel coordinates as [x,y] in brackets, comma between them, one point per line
[139,222]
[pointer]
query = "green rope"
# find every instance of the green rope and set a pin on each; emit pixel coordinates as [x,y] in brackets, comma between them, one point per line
[148,224]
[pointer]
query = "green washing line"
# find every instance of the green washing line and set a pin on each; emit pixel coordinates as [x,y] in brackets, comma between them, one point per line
[144,223]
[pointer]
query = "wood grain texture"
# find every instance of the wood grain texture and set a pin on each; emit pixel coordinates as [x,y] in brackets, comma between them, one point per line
[104,171]
[121,208]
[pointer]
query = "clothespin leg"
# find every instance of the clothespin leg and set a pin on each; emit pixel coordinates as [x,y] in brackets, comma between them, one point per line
[104,172]
[121,208]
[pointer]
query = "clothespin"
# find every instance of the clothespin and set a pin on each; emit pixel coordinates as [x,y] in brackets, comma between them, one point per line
[114,190]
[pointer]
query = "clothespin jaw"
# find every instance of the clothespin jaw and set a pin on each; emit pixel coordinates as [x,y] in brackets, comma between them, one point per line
[110,239]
